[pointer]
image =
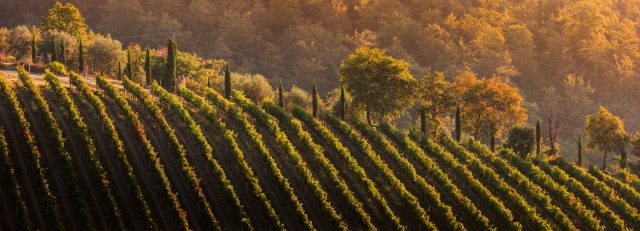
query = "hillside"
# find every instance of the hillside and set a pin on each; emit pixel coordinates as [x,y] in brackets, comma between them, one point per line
[82,156]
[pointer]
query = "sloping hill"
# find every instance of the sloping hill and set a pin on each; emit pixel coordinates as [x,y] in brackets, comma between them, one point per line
[96,154]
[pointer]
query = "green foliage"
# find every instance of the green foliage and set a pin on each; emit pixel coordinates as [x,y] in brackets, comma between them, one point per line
[254,87]
[147,66]
[227,82]
[280,95]
[297,97]
[65,18]
[539,138]
[34,48]
[105,54]
[521,139]
[605,132]
[57,68]
[81,61]
[62,57]
[18,42]
[342,102]
[7,164]
[83,131]
[101,111]
[379,84]
[635,144]
[458,129]
[51,204]
[54,51]
[314,96]
[579,150]
[129,66]
[170,71]
[435,98]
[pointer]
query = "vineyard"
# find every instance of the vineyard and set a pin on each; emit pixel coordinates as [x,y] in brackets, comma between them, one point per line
[114,155]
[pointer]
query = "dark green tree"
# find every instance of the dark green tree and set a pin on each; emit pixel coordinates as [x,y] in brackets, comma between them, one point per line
[129,66]
[80,56]
[458,132]
[54,53]
[34,48]
[170,67]
[280,95]
[521,139]
[538,138]
[63,58]
[119,71]
[227,82]
[579,150]
[314,97]
[147,66]
[342,102]
[423,121]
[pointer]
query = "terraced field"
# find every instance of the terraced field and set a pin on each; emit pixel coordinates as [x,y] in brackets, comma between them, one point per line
[111,155]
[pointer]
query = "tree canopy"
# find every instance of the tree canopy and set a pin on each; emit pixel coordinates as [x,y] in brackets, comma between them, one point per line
[605,132]
[65,17]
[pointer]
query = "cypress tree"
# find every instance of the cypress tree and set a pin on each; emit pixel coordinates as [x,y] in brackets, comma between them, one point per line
[54,53]
[227,82]
[119,71]
[80,56]
[170,67]
[493,138]
[458,127]
[538,138]
[579,150]
[129,66]
[34,48]
[423,121]
[342,102]
[147,66]
[280,95]
[63,59]
[175,65]
[314,93]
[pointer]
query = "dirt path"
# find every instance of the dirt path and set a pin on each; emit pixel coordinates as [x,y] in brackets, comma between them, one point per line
[131,215]
[149,181]
[69,211]
[89,182]
[25,170]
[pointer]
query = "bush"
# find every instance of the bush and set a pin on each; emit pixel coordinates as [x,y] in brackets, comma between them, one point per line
[104,53]
[254,87]
[57,68]
[521,139]
[302,99]
[20,42]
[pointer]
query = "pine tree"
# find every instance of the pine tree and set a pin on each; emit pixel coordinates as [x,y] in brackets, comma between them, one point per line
[342,102]
[147,66]
[458,127]
[80,56]
[34,48]
[280,95]
[170,67]
[579,150]
[129,66]
[63,58]
[314,95]
[54,53]
[119,71]
[538,138]
[227,82]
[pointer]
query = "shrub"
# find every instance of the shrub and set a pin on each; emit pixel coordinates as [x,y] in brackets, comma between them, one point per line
[104,53]
[57,68]
[254,87]
[521,139]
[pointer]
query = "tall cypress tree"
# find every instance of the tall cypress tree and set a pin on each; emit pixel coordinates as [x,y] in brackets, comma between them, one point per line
[63,58]
[227,82]
[54,53]
[175,66]
[129,66]
[280,95]
[314,102]
[579,150]
[538,138]
[493,138]
[147,66]
[458,126]
[80,56]
[170,68]
[119,71]
[34,48]
[342,102]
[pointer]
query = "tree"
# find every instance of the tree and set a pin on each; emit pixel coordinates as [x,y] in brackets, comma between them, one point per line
[435,97]
[521,139]
[62,56]
[104,54]
[297,97]
[81,62]
[170,67]
[379,84]
[489,105]
[635,144]
[119,70]
[458,131]
[314,96]
[280,95]
[579,150]
[147,66]
[538,138]
[605,132]
[227,82]
[54,54]
[65,18]
[34,48]
[129,66]
[342,102]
